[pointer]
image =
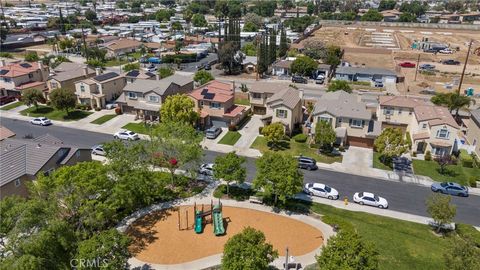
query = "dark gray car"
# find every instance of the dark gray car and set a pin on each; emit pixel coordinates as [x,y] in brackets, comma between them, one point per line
[450,188]
[307,163]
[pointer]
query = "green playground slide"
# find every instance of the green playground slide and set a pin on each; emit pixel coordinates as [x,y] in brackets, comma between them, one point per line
[218,228]
[198,222]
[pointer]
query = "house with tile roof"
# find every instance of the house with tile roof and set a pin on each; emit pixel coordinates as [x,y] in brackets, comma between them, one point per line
[66,74]
[215,101]
[99,90]
[431,128]
[145,97]
[22,159]
[121,47]
[349,116]
[18,76]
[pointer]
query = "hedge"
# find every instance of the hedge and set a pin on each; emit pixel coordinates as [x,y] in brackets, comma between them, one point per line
[186,58]
[300,138]
[466,159]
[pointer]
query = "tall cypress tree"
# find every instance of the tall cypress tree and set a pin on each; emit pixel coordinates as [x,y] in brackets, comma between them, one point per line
[273,46]
[62,23]
[282,51]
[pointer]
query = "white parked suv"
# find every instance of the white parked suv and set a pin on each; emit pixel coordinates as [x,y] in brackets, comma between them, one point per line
[42,121]
[126,135]
[320,190]
[206,169]
[370,199]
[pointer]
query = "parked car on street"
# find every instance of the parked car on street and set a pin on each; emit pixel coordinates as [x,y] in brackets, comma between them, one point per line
[450,188]
[307,163]
[208,67]
[446,51]
[126,135]
[42,121]
[407,64]
[450,62]
[426,67]
[206,169]
[320,190]
[110,106]
[299,79]
[370,199]
[98,150]
[213,132]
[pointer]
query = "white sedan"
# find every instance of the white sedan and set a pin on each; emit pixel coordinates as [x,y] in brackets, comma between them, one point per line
[370,199]
[126,135]
[446,51]
[320,190]
[42,121]
[206,169]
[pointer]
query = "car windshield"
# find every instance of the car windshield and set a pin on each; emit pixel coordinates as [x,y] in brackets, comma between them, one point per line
[444,184]
[328,189]
[131,133]
[360,194]
[376,198]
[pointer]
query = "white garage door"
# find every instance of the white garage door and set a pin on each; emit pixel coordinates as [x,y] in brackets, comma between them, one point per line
[218,123]
[390,79]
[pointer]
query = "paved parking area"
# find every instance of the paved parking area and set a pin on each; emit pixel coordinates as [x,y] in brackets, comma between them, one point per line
[358,157]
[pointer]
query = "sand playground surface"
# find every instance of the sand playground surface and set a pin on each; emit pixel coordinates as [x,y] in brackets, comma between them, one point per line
[158,240]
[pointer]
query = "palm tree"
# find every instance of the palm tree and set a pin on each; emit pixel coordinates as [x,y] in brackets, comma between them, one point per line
[453,101]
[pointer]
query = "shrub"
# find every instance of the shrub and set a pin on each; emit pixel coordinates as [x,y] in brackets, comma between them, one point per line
[476,161]
[428,156]
[300,138]
[49,103]
[98,109]
[118,111]
[341,148]
[469,233]
[466,159]
[232,127]
[414,154]
[472,181]
[408,140]
[260,130]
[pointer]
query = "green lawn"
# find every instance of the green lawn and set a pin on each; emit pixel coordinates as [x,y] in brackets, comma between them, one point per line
[140,128]
[54,114]
[103,119]
[378,164]
[230,138]
[295,149]
[12,106]
[116,62]
[455,173]
[242,101]
[402,245]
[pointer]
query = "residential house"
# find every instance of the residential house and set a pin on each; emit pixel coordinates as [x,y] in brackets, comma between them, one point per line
[216,103]
[18,76]
[291,12]
[430,128]
[365,74]
[278,103]
[99,90]
[5,133]
[145,97]
[136,74]
[121,47]
[391,15]
[66,74]
[282,67]
[349,116]
[473,130]
[22,40]
[249,64]
[22,159]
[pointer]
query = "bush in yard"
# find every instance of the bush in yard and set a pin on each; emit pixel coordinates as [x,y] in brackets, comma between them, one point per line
[341,148]
[232,128]
[300,138]
[260,130]
[118,111]
[274,133]
[466,159]
[472,181]
[428,156]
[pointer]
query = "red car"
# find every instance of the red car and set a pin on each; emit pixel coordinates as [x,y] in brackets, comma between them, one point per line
[407,64]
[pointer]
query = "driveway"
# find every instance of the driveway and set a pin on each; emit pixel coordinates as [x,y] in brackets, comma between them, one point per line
[249,132]
[358,157]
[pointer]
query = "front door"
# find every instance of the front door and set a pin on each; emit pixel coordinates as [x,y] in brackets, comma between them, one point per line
[420,147]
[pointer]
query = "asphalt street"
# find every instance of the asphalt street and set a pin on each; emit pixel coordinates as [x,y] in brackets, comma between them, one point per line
[408,198]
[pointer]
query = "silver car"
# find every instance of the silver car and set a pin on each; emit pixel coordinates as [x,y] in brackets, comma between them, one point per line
[98,150]
[213,132]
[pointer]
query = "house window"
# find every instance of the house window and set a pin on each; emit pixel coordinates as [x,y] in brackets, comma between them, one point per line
[282,113]
[201,103]
[356,123]
[400,111]
[440,151]
[17,182]
[7,80]
[443,133]
[82,88]
[54,85]
[61,152]
[410,112]
[424,125]
[256,95]
[215,105]
[153,99]
[326,119]
[30,75]
[388,111]
[77,154]
[132,95]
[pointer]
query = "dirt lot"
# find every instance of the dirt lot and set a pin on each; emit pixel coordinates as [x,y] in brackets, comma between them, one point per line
[158,240]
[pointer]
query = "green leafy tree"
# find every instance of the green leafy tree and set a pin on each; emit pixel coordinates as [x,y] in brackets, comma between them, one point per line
[462,255]
[96,63]
[91,15]
[32,97]
[440,209]
[131,66]
[347,250]
[253,18]
[415,7]
[109,248]
[250,27]
[274,133]
[31,57]
[278,175]
[263,57]
[178,109]
[372,15]
[310,8]
[248,250]
[453,101]
[333,55]
[198,20]
[264,8]
[338,85]
[164,15]
[63,99]
[165,72]
[202,77]
[176,145]
[390,144]
[229,168]
[387,5]
[407,17]
[282,51]
[249,49]
[324,134]
[304,66]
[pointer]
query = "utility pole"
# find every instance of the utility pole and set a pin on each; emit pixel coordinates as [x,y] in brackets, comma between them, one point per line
[258,55]
[416,69]
[286,259]
[464,66]
[84,43]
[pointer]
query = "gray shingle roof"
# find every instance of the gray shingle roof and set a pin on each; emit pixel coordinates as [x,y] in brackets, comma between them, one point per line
[67,71]
[342,104]
[157,86]
[475,115]
[289,97]
[365,70]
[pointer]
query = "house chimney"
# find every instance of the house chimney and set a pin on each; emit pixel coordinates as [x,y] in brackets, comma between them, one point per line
[157,77]
[85,71]
[233,86]
[2,63]
[300,94]
[98,71]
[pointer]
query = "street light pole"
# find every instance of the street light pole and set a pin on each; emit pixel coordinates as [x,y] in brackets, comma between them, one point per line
[464,66]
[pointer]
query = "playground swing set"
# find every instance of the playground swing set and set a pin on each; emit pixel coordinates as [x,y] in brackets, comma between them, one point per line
[203,217]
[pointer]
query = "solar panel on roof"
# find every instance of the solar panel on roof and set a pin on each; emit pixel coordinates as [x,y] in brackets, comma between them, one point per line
[105,76]
[26,65]
[3,72]
[204,91]
[133,73]
[208,95]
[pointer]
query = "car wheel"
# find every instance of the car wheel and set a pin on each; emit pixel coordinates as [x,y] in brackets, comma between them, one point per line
[309,168]
[115,137]
[361,203]
[330,197]
[381,206]
[93,153]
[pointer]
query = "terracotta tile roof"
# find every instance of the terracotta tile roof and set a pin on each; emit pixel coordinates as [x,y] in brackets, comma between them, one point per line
[401,101]
[235,110]
[441,143]
[17,69]
[30,85]
[435,115]
[5,133]
[419,136]
[213,91]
